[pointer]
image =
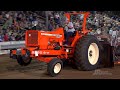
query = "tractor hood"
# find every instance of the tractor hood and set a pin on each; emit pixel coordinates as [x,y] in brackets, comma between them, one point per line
[41,38]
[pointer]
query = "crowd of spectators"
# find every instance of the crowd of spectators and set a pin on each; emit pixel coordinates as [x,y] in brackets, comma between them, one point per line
[13,24]
[104,23]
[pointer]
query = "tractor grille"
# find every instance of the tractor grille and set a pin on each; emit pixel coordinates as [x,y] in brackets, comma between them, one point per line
[32,38]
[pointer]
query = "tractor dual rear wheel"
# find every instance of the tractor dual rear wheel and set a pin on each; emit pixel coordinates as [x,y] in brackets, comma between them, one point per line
[54,67]
[87,53]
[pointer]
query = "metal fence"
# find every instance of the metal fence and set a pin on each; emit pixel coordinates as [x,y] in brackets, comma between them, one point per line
[6,46]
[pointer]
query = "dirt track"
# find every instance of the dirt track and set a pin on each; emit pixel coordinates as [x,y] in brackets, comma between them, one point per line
[9,69]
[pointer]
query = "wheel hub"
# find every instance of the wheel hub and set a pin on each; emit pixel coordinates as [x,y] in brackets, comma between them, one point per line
[93,53]
[90,53]
[57,68]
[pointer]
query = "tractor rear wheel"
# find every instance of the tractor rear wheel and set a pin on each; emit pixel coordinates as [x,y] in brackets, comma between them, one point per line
[54,67]
[87,53]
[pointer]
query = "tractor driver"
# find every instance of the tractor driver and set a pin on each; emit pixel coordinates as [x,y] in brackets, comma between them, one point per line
[69,29]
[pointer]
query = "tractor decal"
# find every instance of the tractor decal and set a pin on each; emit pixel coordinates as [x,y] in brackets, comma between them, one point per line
[57,35]
[39,52]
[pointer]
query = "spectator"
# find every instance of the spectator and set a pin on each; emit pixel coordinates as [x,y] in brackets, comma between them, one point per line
[6,37]
[57,19]
[50,26]
[1,39]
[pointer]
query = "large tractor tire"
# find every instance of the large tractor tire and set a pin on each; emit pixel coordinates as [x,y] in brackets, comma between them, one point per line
[24,60]
[87,53]
[54,67]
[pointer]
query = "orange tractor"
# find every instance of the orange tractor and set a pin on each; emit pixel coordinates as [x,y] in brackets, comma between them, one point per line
[48,46]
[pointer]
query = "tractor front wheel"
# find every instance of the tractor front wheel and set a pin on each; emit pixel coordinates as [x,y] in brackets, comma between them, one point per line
[23,60]
[54,67]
